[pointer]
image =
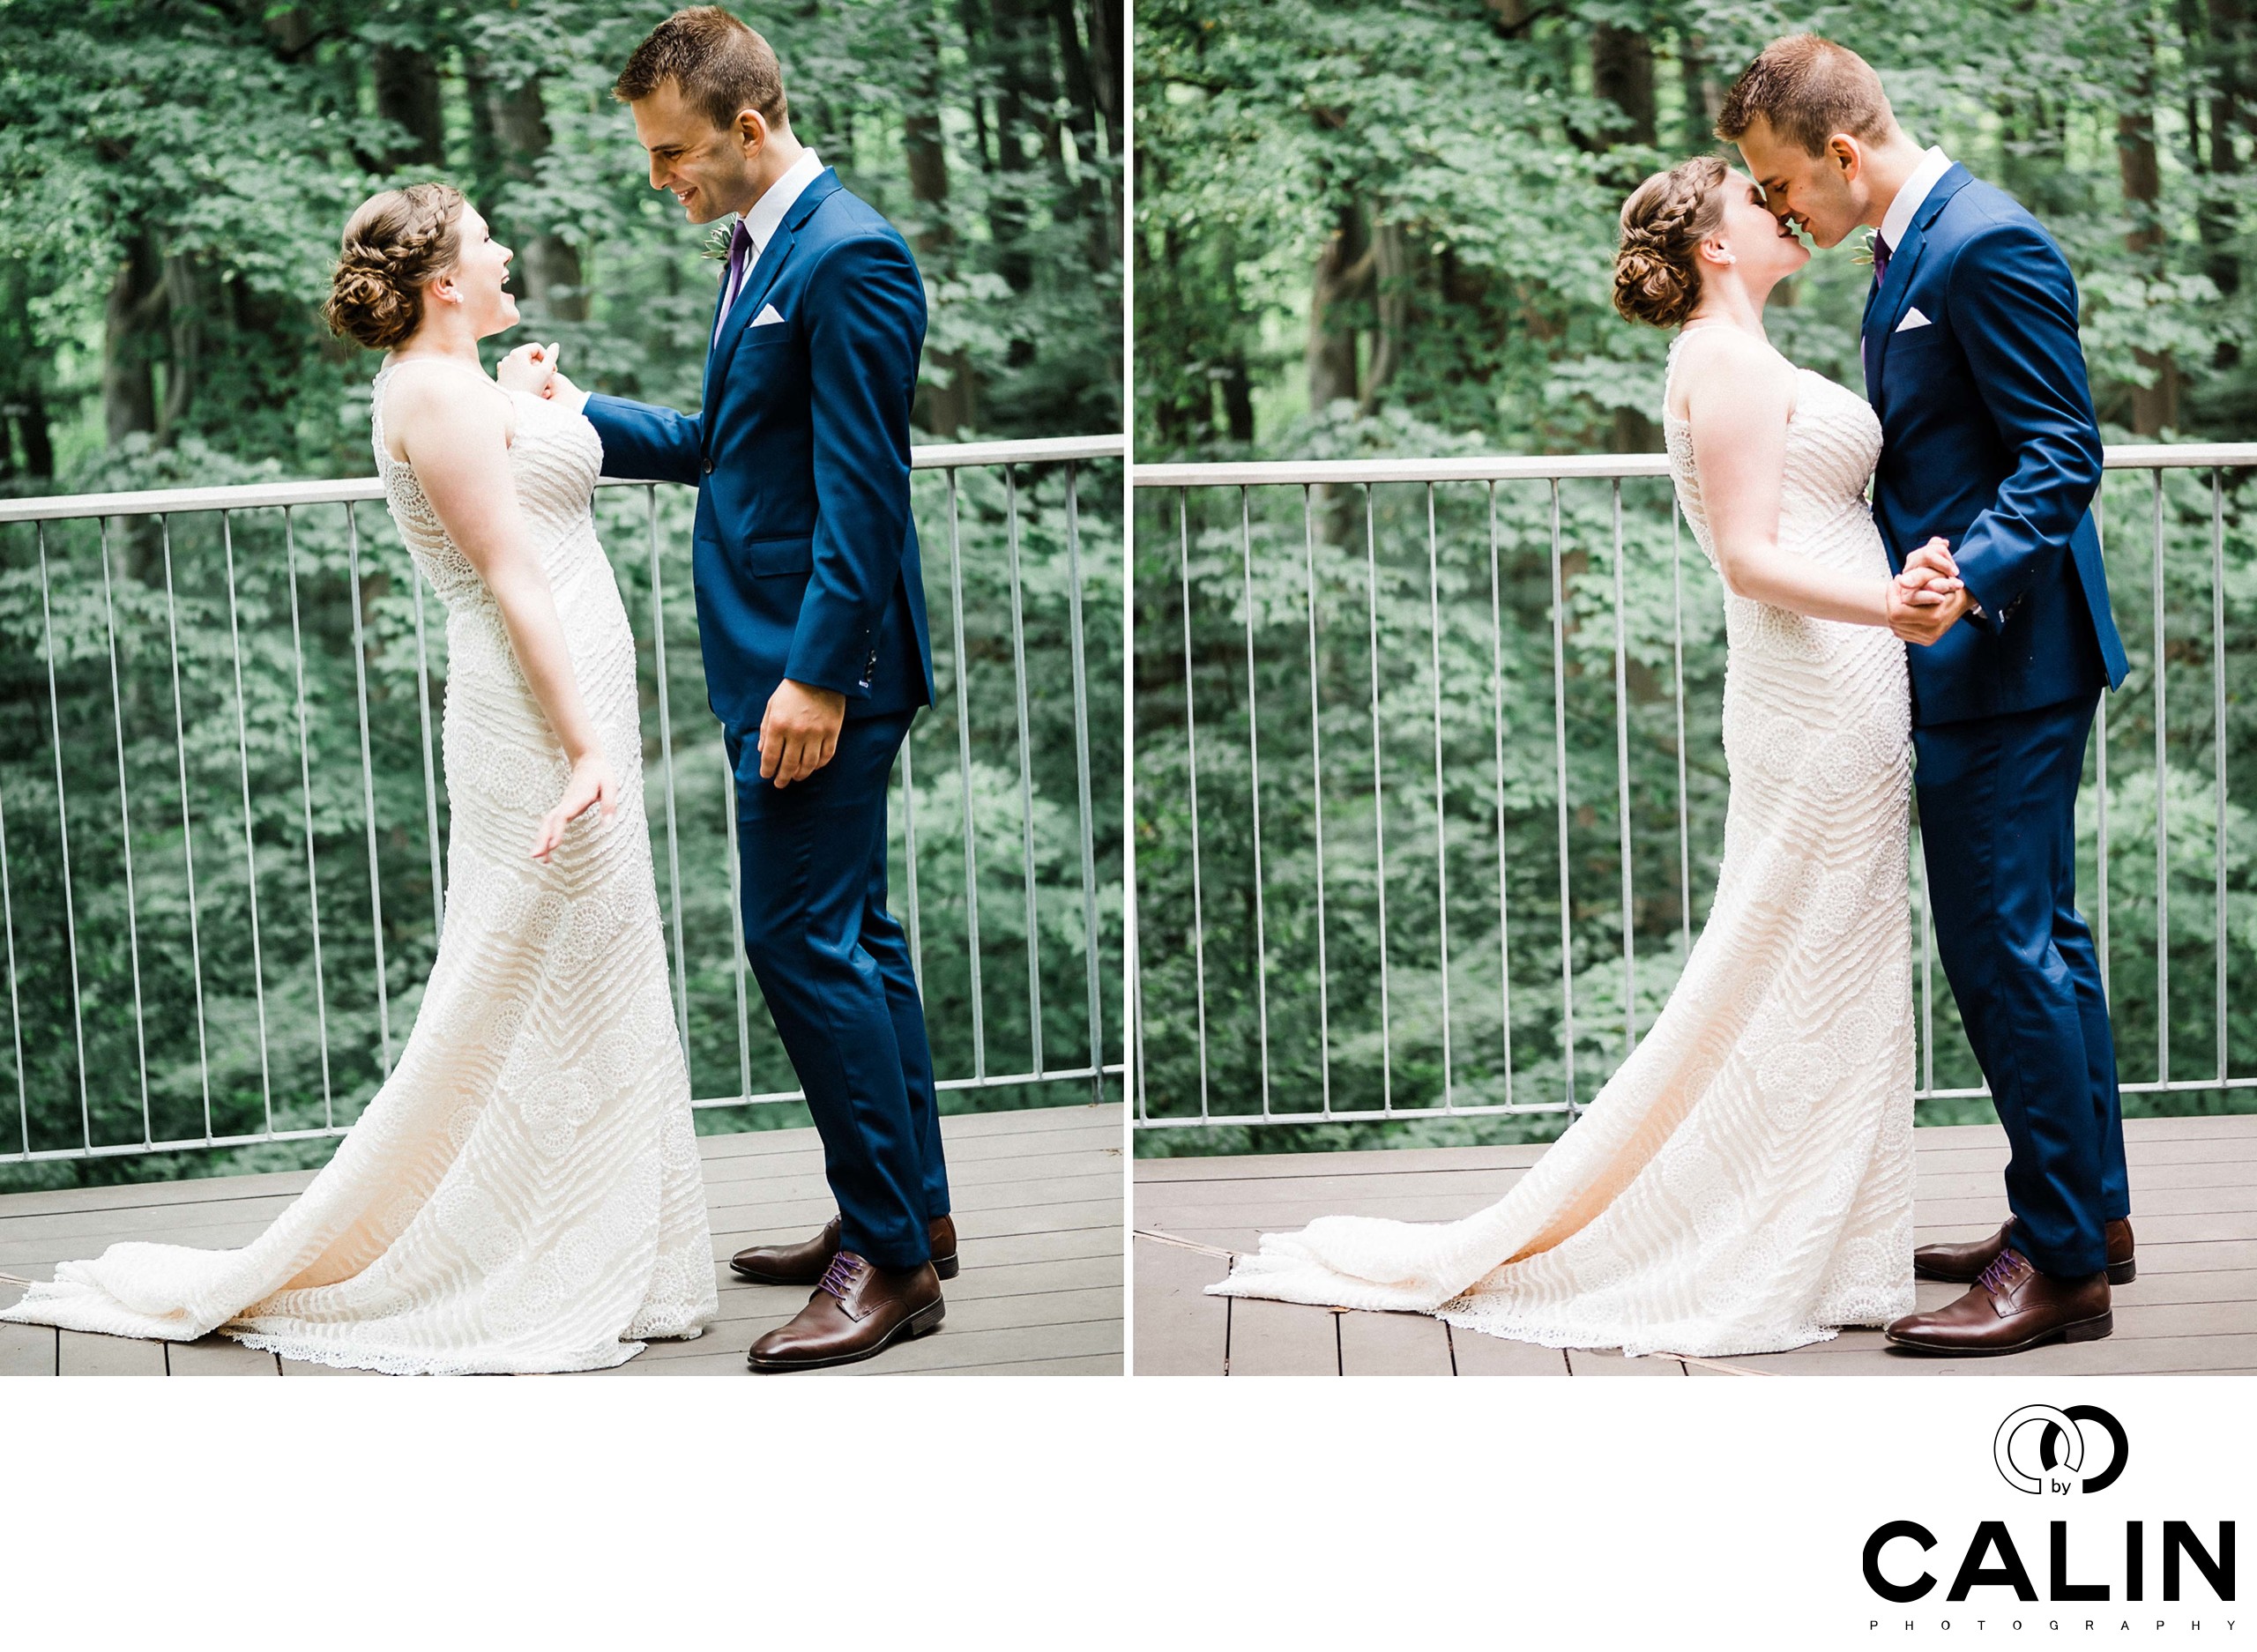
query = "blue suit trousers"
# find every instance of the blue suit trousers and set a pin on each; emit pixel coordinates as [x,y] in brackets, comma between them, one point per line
[834,967]
[1998,822]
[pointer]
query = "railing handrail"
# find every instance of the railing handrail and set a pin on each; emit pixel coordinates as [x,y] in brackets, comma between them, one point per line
[261,496]
[1585,466]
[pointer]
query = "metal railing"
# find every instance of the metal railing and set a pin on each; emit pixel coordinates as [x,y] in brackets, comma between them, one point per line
[1602,615]
[1068,572]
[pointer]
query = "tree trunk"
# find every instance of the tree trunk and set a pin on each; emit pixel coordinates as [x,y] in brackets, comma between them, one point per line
[1238,398]
[1704,95]
[137,298]
[2229,43]
[183,331]
[950,409]
[1343,273]
[2155,406]
[407,95]
[549,264]
[1391,292]
[1622,72]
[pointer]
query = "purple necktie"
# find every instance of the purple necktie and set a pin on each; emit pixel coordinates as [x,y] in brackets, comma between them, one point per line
[1879,260]
[741,257]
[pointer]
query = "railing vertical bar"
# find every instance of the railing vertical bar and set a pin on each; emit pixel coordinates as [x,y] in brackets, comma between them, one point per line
[1191,765]
[666,766]
[1622,788]
[15,1005]
[1026,771]
[1379,797]
[430,767]
[736,909]
[2162,819]
[1254,778]
[909,855]
[62,835]
[1560,750]
[963,773]
[368,788]
[1087,809]
[124,835]
[187,821]
[1497,734]
[1441,845]
[2100,758]
[1684,802]
[2217,740]
[1316,800]
[250,846]
[306,791]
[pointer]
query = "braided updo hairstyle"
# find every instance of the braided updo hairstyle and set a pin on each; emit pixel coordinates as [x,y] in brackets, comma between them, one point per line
[1664,222]
[393,244]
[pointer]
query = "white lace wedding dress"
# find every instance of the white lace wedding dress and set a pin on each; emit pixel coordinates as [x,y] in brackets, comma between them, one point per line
[522,1193]
[1743,1184]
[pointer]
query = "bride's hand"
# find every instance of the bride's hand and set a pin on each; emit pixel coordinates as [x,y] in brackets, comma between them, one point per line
[530,367]
[592,782]
[1930,575]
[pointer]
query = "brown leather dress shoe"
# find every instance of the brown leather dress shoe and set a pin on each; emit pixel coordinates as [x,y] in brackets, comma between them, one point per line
[1963,1264]
[2011,1308]
[802,1264]
[858,1309]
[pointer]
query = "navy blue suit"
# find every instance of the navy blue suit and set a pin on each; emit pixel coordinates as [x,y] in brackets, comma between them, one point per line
[806,567]
[1989,441]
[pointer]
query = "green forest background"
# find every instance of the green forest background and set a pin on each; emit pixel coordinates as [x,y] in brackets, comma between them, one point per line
[175,173]
[1364,228]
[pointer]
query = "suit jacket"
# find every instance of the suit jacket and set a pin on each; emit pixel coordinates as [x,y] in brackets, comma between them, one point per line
[1988,439]
[804,551]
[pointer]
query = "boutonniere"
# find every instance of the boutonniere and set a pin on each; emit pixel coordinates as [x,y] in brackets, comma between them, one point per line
[1864,253]
[717,241]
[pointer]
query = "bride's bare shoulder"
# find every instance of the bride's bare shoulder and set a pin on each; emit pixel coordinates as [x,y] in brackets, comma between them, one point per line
[422,403]
[1722,367]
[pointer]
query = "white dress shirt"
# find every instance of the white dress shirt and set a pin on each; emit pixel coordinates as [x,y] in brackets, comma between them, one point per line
[761,220]
[1896,222]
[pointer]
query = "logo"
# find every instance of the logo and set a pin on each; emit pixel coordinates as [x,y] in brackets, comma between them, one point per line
[2038,1440]
[2048,1451]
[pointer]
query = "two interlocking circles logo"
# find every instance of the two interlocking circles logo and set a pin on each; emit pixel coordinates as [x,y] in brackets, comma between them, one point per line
[2045,1449]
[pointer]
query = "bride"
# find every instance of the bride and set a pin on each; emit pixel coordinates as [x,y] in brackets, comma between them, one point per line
[523,1194]
[1744,1183]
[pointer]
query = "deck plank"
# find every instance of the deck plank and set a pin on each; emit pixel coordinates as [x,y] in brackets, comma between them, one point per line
[78,1354]
[1393,1345]
[2192,1308]
[1039,1202]
[1282,1339]
[1180,1330]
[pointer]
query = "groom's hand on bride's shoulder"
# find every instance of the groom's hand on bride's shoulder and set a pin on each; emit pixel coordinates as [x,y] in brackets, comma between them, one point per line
[530,367]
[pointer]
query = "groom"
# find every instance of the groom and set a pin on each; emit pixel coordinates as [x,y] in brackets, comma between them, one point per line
[811,617]
[1971,361]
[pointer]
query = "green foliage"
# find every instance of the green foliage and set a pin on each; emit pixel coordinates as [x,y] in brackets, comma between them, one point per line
[1365,230]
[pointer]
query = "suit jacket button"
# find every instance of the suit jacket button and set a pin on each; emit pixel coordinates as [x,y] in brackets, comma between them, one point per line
[708,467]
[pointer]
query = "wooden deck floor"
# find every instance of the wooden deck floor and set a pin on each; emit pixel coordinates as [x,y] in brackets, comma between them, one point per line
[2192,1308]
[1037,1197]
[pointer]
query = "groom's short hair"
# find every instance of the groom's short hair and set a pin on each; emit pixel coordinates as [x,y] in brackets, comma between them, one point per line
[1807,88]
[721,65]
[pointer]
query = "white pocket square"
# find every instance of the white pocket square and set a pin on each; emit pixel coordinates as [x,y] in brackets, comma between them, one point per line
[767,317]
[1913,318]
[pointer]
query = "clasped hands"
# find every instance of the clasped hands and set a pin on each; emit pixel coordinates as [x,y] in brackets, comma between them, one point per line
[1928,598]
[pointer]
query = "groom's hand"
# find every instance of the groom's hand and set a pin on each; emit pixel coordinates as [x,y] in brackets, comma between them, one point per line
[798,732]
[530,367]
